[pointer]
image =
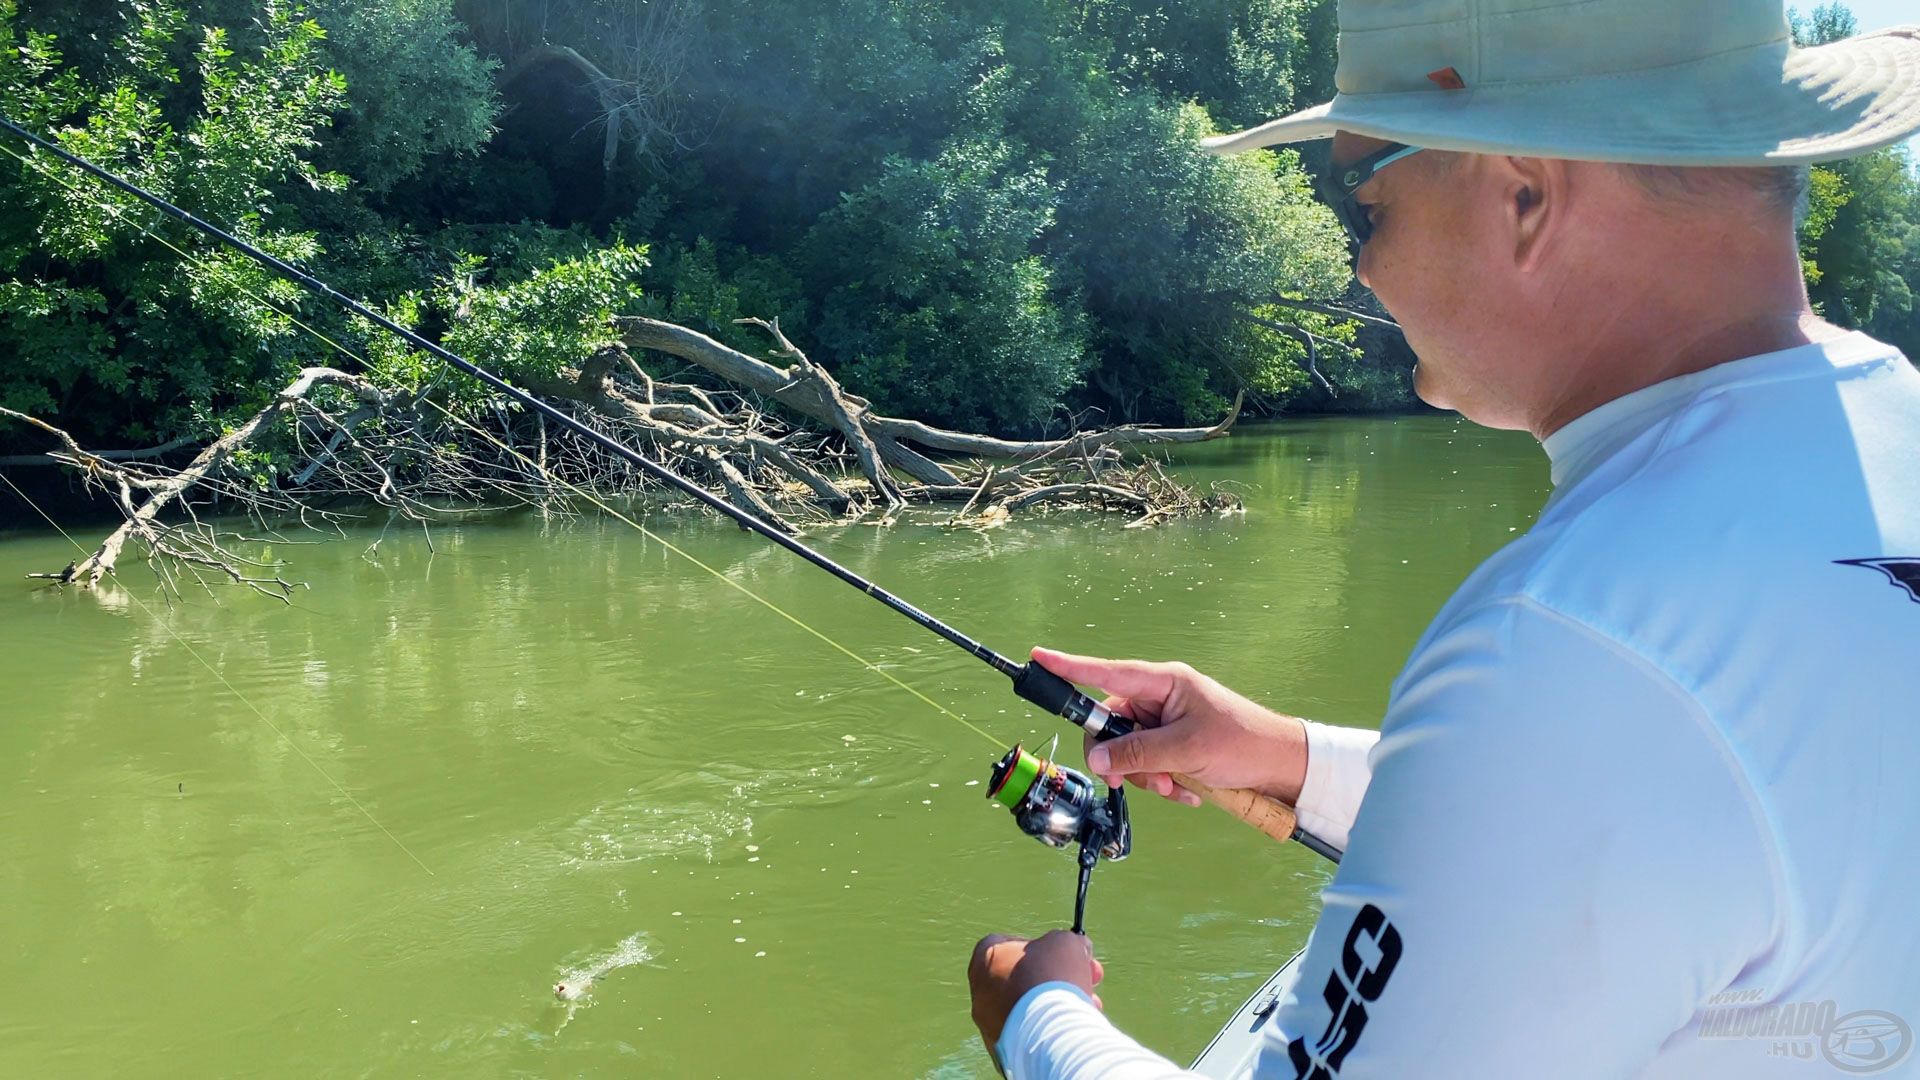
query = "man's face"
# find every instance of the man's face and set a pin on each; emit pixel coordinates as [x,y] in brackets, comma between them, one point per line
[1434,268]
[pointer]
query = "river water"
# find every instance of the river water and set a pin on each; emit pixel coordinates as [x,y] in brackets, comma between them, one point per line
[366,834]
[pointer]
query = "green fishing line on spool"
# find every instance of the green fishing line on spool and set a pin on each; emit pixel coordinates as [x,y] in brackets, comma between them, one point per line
[1013,777]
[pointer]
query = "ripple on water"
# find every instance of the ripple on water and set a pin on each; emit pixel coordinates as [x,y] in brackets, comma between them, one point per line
[636,829]
[697,811]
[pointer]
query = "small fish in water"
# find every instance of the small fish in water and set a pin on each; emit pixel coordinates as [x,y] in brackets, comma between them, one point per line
[575,988]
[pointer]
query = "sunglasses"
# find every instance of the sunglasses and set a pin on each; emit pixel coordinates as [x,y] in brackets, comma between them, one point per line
[1339,183]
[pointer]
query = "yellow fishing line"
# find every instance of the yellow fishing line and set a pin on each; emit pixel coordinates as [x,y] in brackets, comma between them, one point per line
[663,542]
[187,645]
[650,534]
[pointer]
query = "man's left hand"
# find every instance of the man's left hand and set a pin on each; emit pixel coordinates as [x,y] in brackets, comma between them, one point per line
[1004,968]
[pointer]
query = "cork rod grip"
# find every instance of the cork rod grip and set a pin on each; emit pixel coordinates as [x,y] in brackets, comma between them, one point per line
[1263,812]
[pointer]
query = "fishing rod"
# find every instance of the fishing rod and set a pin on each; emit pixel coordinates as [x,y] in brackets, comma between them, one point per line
[1052,793]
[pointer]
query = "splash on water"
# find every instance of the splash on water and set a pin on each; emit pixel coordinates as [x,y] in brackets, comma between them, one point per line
[573,990]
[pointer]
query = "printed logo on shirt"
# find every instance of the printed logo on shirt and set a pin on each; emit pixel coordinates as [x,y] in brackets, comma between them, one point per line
[1903,573]
[1862,1042]
[1366,963]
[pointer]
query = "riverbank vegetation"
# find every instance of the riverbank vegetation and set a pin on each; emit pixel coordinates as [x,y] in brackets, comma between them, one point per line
[988,221]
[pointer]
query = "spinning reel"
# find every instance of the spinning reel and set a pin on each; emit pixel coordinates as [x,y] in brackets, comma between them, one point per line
[1059,806]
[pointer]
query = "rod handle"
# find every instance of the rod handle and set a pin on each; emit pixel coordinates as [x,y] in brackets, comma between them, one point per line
[1263,812]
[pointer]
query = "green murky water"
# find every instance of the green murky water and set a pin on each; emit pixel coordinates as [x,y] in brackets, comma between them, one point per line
[601,758]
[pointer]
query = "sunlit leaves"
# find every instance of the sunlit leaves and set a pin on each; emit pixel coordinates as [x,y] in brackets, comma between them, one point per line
[554,317]
[1171,247]
[135,335]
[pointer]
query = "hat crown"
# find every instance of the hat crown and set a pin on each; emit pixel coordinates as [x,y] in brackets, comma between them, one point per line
[1390,46]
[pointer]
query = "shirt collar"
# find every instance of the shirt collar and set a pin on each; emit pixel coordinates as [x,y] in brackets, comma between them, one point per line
[1580,446]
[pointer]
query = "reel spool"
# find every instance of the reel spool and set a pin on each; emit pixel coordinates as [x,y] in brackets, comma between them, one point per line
[1058,806]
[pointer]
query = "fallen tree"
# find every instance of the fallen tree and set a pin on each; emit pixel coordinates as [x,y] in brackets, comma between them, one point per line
[781,438]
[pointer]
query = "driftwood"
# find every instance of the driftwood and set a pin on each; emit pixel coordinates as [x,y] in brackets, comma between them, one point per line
[747,432]
[102,455]
[191,546]
[797,389]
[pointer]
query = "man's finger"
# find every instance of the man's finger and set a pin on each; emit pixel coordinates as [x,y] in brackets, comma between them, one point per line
[983,947]
[1128,678]
[1148,750]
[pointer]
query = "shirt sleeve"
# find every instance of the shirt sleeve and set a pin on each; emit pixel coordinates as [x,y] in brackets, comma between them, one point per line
[1056,1033]
[1336,780]
[1559,857]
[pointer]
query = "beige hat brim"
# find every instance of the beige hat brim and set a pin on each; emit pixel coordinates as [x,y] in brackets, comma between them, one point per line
[1746,107]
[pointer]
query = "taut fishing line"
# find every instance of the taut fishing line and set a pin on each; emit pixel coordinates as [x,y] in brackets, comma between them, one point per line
[688,556]
[483,433]
[191,651]
[1054,804]
[118,214]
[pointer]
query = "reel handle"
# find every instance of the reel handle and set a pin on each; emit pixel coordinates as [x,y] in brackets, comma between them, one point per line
[1061,698]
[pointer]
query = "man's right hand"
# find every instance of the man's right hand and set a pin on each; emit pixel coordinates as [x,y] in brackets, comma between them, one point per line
[1186,723]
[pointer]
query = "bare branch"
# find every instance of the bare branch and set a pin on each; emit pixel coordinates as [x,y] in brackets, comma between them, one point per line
[150,452]
[1313,353]
[465,461]
[1334,310]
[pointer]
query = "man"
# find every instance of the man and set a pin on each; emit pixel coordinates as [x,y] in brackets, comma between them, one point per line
[1661,753]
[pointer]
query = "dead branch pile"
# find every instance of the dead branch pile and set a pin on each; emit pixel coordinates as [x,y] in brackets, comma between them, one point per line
[781,439]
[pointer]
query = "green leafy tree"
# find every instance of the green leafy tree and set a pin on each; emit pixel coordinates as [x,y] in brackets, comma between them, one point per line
[938,305]
[847,113]
[983,212]
[552,318]
[1861,241]
[1826,194]
[1236,57]
[1862,257]
[1827,23]
[1173,250]
[114,332]
[415,90]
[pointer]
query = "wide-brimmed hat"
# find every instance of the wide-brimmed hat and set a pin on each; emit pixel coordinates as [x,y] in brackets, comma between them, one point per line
[1657,82]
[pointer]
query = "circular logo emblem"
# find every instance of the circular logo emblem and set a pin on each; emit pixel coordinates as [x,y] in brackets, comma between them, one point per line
[1352,177]
[1868,1041]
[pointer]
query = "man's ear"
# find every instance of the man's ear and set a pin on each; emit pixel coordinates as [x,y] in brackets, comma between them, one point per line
[1534,197]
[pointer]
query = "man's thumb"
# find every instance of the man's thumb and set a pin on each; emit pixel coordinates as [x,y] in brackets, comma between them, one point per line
[1155,749]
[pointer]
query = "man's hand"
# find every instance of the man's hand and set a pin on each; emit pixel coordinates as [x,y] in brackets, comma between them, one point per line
[1004,968]
[1187,723]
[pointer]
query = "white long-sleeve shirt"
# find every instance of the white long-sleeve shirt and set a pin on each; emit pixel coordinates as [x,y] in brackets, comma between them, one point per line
[1646,799]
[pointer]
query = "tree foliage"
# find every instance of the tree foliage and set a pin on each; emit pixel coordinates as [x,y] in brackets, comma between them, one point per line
[971,210]
[1861,240]
[934,286]
[986,213]
[112,329]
